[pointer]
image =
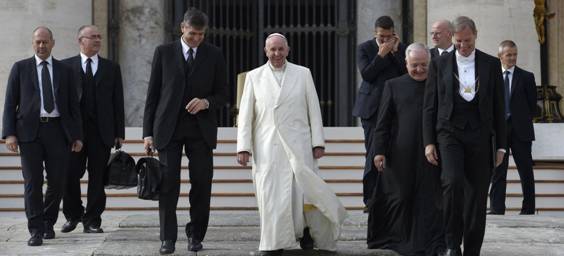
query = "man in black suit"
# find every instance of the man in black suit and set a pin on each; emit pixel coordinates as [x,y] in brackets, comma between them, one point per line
[42,118]
[378,60]
[187,86]
[463,110]
[441,36]
[520,104]
[100,92]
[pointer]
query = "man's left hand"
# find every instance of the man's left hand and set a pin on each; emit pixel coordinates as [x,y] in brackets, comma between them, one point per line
[318,152]
[118,142]
[196,105]
[76,146]
[499,158]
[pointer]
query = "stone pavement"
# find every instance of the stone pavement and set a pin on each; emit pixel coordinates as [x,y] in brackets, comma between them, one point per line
[237,233]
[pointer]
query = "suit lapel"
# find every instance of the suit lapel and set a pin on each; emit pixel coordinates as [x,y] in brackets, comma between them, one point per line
[76,64]
[34,76]
[56,75]
[483,73]
[287,83]
[179,58]
[514,81]
[448,77]
[201,55]
[100,72]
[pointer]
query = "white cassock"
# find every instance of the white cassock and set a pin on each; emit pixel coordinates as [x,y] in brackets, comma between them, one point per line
[280,123]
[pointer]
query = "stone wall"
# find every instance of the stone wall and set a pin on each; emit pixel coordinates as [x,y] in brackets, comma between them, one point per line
[19,18]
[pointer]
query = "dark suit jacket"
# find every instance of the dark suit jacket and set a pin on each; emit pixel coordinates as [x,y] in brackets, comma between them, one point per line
[434,52]
[166,89]
[109,97]
[23,102]
[523,103]
[441,88]
[375,70]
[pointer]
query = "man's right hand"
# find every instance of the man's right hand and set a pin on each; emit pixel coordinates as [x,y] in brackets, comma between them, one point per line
[12,143]
[148,144]
[431,154]
[243,158]
[385,48]
[380,162]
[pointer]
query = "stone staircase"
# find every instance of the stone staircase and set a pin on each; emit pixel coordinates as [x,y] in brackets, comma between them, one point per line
[341,168]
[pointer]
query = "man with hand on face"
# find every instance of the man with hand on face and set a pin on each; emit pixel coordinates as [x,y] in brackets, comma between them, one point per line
[378,60]
[186,87]
[100,93]
[280,125]
[520,104]
[404,214]
[441,35]
[463,112]
[42,118]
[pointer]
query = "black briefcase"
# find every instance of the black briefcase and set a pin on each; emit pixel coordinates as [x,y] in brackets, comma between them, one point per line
[149,178]
[120,171]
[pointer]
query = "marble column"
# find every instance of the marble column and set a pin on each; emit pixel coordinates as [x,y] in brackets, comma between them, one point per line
[369,10]
[555,43]
[100,19]
[420,29]
[141,31]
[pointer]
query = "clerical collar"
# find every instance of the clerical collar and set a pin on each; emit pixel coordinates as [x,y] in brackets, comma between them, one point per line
[465,60]
[277,69]
[511,69]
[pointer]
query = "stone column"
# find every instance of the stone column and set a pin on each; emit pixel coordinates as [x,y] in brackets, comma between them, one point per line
[19,18]
[420,30]
[100,19]
[141,31]
[369,10]
[555,43]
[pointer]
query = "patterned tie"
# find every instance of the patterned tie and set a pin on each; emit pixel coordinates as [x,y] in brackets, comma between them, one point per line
[47,88]
[507,95]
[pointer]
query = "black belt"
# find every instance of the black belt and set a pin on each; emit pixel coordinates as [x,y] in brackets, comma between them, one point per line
[46,119]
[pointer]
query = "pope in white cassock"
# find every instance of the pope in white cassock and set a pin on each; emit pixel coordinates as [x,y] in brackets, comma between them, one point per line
[280,125]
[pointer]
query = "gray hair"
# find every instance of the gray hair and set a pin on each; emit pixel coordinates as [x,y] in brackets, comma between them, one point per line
[463,22]
[83,27]
[417,47]
[449,25]
[195,18]
[46,28]
[506,43]
[279,36]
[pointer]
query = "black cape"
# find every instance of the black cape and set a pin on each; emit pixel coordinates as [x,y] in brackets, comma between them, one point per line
[405,210]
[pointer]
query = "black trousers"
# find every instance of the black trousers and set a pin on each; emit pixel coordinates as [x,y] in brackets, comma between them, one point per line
[52,149]
[369,177]
[200,166]
[521,151]
[466,161]
[94,157]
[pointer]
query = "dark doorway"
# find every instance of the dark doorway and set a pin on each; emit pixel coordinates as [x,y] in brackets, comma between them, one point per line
[321,34]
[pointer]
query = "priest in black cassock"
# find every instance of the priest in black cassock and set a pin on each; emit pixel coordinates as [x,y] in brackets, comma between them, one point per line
[405,210]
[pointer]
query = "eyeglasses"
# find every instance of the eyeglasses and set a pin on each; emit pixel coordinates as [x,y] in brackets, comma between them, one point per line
[92,37]
[437,33]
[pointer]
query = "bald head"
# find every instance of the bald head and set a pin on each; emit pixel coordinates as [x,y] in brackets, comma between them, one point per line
[441,34]
[276,49]
[42,42]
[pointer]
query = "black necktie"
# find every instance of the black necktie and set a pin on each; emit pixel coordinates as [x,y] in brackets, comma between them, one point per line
[507,95]
[47,88]
[89,74]
[190,59]
[444,52]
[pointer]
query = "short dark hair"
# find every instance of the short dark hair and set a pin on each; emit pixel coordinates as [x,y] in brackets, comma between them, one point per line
[384,22]
[506,43]
[195,18]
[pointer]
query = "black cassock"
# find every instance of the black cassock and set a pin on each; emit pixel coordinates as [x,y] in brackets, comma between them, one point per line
[405,211]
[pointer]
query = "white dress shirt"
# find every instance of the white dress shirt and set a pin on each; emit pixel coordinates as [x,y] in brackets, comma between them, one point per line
[467,75]
[186,48]
[93,65]
[43,113]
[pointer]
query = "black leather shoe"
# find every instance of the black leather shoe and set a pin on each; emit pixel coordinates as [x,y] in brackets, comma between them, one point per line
[92,229]
[69,226]
[492,212]
[270,253]
[194,245]
[49,232]
[527,212]
[167,247]
[306,243]
[35,240]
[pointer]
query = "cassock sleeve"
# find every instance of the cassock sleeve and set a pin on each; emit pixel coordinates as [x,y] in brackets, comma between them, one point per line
[246,117]
[430,106]
[314,113]
[386,114]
